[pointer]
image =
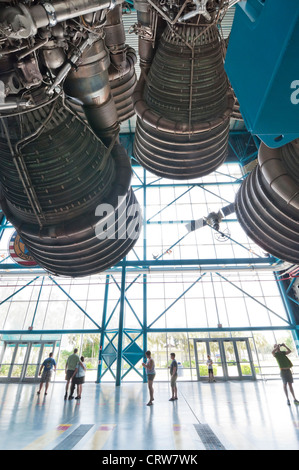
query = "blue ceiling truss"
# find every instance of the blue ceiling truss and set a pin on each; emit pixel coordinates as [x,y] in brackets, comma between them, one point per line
[243,148]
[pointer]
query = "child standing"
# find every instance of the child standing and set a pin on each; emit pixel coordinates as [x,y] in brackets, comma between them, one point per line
[210,369]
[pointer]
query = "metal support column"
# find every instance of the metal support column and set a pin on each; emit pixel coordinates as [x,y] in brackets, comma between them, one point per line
[103,331]
[37,303]
[121,327]
[144,277]
[144,322]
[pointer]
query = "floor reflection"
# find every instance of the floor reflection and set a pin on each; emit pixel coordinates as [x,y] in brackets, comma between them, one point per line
[236,415]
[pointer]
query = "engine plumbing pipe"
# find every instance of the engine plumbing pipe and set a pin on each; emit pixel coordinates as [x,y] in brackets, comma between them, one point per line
[22,22]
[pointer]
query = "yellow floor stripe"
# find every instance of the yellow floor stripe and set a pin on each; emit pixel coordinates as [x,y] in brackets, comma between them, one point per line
[178,436]
[182,438]
[100,437]
[50,436]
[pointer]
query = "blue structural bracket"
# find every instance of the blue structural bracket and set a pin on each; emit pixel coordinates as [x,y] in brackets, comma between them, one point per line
[263,68]
[76,303]
[291,310]
[288,321]
[132,354]
[121,327]
[151,263]
[19,290]
[102,338]
[177,299]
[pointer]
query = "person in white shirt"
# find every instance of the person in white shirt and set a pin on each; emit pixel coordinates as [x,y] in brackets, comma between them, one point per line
[79,377]
[151,373]
[210,369]
[174,375]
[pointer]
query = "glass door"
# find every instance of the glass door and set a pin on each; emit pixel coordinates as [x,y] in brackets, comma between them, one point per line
[204,348]
[245,359]
[9,350]
[201,352]
[34,361]
[232,358]
[214,351]
[21,361]
[39,351]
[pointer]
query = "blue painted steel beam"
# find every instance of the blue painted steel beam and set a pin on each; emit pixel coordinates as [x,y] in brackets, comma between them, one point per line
[178,298]
[176,222]
[37,303]
[253,298]
[76,303]
[110,341]
[286,299]
[14,266]
[4,224]
[174,244]
[19,290]
[154,330]
[127,301]
[226,329]
[4,259]
[268,261]
[132,366]
[178,185]
[102,339]
[144,322]
[195,267]
[121,328]
[144,286]
[293,300]
[48,332]
[170,203]
[290,285]
[112,313]
[199,185]
[129,370]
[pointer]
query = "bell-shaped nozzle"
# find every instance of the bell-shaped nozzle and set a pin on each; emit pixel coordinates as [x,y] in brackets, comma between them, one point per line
[184,105]
[267,203]
[67,194]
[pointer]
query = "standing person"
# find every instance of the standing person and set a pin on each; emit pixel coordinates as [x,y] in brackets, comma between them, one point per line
[285,366]
[173,377]
[210,369]
[150,372]
[79,377]
[47,366]
[70,367]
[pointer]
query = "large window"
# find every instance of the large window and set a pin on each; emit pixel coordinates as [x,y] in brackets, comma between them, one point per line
[166,305]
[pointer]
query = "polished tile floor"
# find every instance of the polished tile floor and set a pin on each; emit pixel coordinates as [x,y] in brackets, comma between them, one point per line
[231,416]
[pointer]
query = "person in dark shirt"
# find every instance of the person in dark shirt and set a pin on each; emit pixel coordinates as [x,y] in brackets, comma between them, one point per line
[173,377]
[70,367]
[47,367]
[285,366]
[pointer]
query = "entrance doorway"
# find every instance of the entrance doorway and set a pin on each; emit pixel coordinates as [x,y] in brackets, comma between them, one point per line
[232,358]
[21,360]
